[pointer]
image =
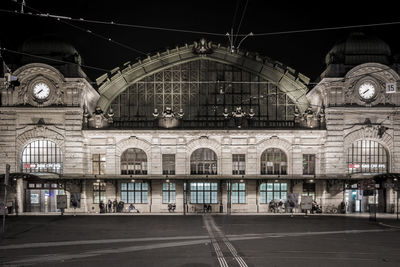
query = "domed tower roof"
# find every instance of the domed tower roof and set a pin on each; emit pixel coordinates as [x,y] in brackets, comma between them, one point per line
[53,51]
[356,49]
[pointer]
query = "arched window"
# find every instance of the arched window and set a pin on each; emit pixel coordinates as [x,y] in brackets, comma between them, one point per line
[134,161]
[367,156]
[273,161]
[41,156]
[203,161]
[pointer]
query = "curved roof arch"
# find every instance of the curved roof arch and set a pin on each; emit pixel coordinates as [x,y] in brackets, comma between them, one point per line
[293,83]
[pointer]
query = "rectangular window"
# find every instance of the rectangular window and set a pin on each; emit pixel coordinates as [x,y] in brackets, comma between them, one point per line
[134,192]
[273,191]
[168,164]
[99,192]
[99,163]
[238,193]
[169,193]
[203,192]
[308,164]
[238,164]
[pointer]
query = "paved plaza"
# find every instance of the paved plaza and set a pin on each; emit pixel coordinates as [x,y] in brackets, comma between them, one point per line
[200,240]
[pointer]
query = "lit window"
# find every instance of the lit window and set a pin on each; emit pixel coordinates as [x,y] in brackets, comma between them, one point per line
[99,192]
[134,192]
[367,156]
[238,193]
[273,191]
[169,193]
[98,163]
[206,193]
[41,156]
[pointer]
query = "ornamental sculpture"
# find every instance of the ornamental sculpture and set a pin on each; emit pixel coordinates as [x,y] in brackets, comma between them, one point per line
[97,119]
[168,118]
[202,47]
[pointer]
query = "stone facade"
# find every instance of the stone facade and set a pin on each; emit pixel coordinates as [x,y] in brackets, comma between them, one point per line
[63,118]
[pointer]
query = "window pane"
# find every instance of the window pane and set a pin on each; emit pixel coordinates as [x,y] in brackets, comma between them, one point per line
[123,186]
[172,186]
[214,186]
[193,198]
[235,197]
[276,186]
[144,186]
[172,196]
[131,186]
[235,186]
[130,197]
[124,197]
[269,196]
[165,186]
[144,197]
[214,197]
[242,186]
[165,197]
[263,187]
[242,197]
[263,197]
[284,186]
[269,186]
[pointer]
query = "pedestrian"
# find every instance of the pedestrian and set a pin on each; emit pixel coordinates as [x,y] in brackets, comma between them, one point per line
[109,206]
[280,205]
[272,206]
[114,204]
[101,206]
[208,208]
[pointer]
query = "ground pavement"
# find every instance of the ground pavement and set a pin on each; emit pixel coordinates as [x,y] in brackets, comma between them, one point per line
[201,240]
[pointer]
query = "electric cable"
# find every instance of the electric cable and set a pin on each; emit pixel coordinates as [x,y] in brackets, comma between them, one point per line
[204,32]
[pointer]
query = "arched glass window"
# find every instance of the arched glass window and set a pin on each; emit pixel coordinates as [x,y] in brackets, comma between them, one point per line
[367,156]
[203,161]
[273,161]
[134,161]
[41,156]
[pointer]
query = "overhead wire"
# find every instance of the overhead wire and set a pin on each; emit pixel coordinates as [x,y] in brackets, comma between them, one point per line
[93,33]
[240,22]
[204,32]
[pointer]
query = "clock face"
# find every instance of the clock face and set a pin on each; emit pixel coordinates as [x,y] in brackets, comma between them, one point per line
[366,90]
[41,91]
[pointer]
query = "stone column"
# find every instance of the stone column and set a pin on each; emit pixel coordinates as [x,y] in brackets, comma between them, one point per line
[20,195]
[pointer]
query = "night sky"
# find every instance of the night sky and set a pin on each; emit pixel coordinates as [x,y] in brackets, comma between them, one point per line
[304,52]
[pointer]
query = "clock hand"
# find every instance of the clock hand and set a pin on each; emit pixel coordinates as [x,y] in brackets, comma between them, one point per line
[365,91]
[40,91]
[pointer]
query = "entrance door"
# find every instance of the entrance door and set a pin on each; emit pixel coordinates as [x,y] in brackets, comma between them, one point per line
[42,200]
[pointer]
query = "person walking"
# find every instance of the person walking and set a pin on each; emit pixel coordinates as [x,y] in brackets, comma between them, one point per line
[114,204]
[109,206]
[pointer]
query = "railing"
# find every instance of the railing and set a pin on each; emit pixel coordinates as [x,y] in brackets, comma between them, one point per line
[203,124]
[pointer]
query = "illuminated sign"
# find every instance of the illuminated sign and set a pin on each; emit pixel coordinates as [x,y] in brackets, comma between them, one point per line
[367,166]
[42,165]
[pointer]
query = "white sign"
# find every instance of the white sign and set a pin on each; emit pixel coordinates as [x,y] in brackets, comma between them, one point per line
[41,165]
[391,88]
[34,198]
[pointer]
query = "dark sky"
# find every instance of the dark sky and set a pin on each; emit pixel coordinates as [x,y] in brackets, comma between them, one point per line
[304,52]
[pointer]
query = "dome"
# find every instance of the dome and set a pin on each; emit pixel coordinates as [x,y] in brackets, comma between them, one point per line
[51,47]
[359,48]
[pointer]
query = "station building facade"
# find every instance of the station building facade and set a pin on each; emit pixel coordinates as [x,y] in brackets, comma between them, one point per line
[201,124]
